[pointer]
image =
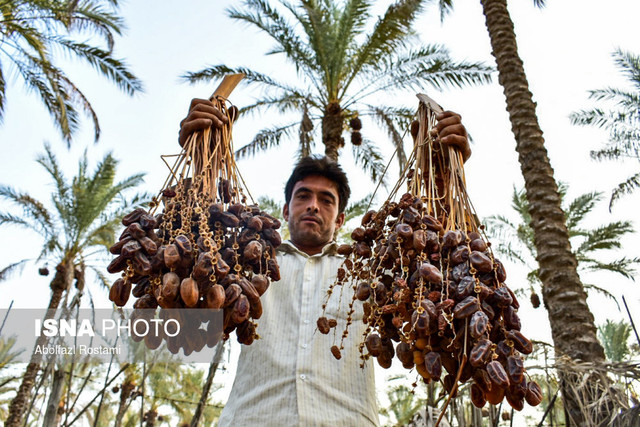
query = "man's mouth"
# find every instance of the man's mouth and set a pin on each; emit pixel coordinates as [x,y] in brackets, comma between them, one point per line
[310,219]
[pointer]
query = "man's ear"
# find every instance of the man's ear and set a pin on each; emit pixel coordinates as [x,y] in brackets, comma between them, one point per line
[285,212]
[340,220]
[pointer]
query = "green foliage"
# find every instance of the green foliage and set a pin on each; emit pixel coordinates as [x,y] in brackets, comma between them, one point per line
[33,31]
[83,217]
[342,55]
[515,239]
[621,119]
[614,337]
[403,404]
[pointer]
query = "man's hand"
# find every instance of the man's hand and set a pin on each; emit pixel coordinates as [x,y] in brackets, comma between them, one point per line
[202,115]
[450,131]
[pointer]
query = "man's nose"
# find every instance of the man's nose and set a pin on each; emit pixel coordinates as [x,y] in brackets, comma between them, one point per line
[313,205]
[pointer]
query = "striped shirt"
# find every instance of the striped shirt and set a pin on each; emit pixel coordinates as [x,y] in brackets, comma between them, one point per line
[289,377]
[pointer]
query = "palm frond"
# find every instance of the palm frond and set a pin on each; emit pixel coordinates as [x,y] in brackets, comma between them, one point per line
[392,120]
[580,207]
[271,22]
[622,122]
[624,266]
[369,158]
[2,94]
[628,186]
[590,287]
[629,64]
[285,103]
[34,211]
[103,280]
[265,139]
[605,237]
[389,34]
[14,268]
[358,208]
[251,77]
[429,65]
[271,206]
[114,69]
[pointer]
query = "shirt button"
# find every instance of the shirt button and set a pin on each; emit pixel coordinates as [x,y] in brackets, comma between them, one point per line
[303,346]
[306,321]
[303,377]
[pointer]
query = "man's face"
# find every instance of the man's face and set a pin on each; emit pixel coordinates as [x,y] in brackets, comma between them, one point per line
[312,213]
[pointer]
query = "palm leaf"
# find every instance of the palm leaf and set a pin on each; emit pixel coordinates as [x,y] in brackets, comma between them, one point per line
[369,158]
[271,22]
[628,186]
[14,268]
[389,34]
[265,139]
[36,215]
[392,120]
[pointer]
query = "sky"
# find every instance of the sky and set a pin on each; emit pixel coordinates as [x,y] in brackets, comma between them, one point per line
[566,48]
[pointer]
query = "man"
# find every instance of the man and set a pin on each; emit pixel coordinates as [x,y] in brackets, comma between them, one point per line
[289,377]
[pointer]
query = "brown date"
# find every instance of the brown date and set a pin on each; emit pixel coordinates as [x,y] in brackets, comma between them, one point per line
[515,369]
[214,298]
[497,374]
[363,291]
[480,262]
[477,396]
[170,286]
[374,344]
[480,353]
[133,216]
[171,256]
[466,307]
[119,292]
[478,324]
[261,283]
[117,264]
[189,292]
[240,310]
[336,352]
[433,364]
[231,294]
[520,342]
[533,395]
[323,325]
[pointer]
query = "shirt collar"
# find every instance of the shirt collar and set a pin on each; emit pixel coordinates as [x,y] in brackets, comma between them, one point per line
[287,246]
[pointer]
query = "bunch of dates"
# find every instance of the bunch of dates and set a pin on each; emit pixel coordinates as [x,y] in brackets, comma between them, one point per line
[214,255]
[435,299]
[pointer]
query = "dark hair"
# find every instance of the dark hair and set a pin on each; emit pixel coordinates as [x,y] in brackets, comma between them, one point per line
[320,166]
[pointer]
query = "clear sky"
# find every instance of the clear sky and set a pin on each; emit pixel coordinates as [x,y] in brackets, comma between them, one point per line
[566,48]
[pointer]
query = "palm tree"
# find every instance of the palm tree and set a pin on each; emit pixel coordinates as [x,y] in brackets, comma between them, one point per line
[572,324]
[32,31]
[622,121]
[515,240]
[80,228]
[343,66]
[403,404]
[615,337]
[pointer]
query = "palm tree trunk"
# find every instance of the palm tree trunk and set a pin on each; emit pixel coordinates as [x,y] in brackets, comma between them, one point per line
[61,281]
[572,324]
[125,392]
[213,367]
[332,130]
[51,414]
